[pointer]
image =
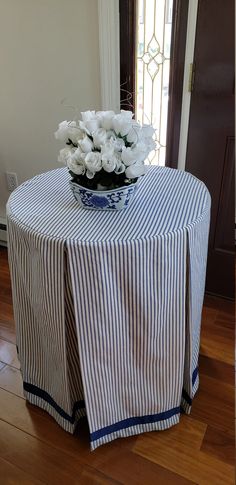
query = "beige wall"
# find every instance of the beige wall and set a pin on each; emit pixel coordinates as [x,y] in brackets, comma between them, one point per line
[48,51]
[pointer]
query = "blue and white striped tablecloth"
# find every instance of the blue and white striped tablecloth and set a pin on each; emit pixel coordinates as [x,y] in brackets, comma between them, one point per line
[108,304]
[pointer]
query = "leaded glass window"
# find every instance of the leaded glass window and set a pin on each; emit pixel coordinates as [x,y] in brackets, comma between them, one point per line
[154,22]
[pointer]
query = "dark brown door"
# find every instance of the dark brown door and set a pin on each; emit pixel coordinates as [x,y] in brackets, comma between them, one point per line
[210,151]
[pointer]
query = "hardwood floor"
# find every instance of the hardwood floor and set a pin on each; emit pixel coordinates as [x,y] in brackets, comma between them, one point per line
[199,450]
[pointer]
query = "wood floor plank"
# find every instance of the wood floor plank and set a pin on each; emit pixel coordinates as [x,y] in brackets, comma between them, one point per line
[39,424]
[217,340]
[43,461]
[7,331]
[5,283]
[11,380]
[136,470]
[7,327]
[219,444]
[114,459]
[217,343]
[34,421]
[209,314]
[214,404]
[188,431]
[6,311]
[8,354]
[220,304]
[220,371]
[117,460]
[190,463]
[12,475]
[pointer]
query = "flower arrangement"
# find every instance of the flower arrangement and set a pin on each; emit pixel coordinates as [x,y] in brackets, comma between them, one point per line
[105,150]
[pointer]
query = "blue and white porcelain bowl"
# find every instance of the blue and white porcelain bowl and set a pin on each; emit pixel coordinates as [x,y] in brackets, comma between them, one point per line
[115,199]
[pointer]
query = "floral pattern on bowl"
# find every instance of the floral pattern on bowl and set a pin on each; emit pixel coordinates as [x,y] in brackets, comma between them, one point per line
[115,199]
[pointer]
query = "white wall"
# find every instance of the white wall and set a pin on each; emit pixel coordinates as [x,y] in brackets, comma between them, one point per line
[49,50]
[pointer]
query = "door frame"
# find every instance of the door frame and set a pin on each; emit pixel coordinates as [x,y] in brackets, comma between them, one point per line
[179,39]
[109,53]
[127,29]
[186,93]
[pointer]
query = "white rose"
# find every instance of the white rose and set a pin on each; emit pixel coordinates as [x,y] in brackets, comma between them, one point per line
[99,137]
[66,130]
[118,143]
[99,114]
[76,167]
[151,144]
[64,154]
[93,162]
[128,156]
[135,170]
[120,167]
[75,135]
[140,151]
[110,134]
[77,154]
[109,165]
[127,114]
[88,115]
[89,126]
[122,124]
[89,174]
[83,128]
[107,150]
[134,133]
[106,120]
[90,123]
[86,144]
[147,131]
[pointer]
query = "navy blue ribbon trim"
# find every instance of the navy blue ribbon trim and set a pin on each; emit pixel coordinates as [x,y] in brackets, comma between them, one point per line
[126,423]
[46,397]
[185,395]
[194,376]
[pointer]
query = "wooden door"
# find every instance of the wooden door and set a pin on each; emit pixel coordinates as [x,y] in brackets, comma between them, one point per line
[210,150]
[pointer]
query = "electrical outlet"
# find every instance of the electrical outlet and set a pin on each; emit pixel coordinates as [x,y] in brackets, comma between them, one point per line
[12,181]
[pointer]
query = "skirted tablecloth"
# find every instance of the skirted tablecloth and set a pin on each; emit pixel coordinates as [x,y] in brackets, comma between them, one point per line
[108,305]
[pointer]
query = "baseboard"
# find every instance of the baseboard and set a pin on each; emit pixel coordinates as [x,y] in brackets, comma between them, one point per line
[216,295]
[3,232]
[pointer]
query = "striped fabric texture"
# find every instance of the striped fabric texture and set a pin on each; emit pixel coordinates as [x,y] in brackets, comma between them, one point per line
[108,304]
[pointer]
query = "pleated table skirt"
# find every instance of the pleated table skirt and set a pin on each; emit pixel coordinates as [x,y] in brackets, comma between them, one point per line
[108,305]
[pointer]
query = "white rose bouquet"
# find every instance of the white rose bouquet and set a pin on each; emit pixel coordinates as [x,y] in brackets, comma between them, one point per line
[105,150]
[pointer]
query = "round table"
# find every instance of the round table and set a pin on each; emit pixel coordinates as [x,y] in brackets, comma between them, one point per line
[108,304]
